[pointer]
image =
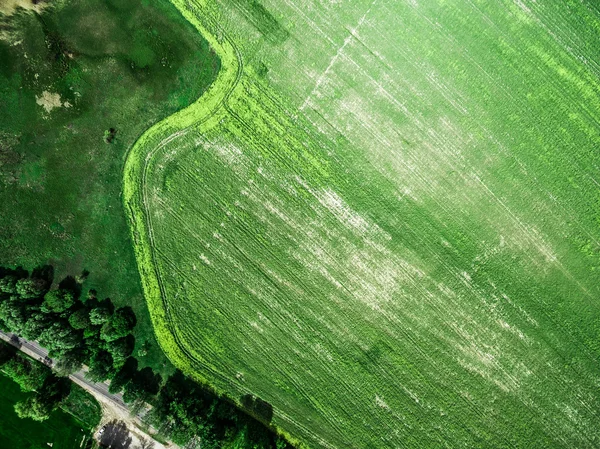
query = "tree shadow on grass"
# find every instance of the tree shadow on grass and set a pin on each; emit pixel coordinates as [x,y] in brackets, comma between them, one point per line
[70,283]
[115,436]
[257,407]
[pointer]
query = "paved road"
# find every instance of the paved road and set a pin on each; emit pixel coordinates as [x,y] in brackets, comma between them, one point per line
[32,349]
[98,389]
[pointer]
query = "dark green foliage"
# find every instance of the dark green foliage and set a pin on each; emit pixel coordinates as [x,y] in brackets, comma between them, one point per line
[80,319]
[58,300]
[34,408]
[35,325]
[70,360]
[100,315]
[60,336]
[120,349]
[13,314]
[118,325]
[39,405]
[101,366]
[31,288]
[8,284]
[124,375]
[142,386]
[184,410]
[30,376]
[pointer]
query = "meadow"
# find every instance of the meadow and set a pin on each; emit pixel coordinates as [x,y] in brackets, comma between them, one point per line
[61,430]
[382,219]
[69,75]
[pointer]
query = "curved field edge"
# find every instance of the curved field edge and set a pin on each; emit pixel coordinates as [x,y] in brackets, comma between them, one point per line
[203,113]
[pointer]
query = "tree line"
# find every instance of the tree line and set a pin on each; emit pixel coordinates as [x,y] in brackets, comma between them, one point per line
[46,390]
[80,329]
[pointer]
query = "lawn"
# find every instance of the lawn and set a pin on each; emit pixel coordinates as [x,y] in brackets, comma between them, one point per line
[61,431]
[383,218]
[67,76]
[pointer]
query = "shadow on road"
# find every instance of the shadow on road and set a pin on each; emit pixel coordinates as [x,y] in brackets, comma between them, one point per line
[115,435]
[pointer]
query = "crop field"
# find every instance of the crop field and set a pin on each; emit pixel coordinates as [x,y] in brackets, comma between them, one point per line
[383,219]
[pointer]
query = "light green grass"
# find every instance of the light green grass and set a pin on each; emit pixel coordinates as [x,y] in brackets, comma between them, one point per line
[383,219]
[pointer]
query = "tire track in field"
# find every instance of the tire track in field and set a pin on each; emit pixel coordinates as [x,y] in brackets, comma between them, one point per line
[148,220]
[167,141]
[197,237]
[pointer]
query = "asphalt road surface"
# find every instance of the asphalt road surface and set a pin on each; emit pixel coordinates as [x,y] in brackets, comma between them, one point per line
[34,350]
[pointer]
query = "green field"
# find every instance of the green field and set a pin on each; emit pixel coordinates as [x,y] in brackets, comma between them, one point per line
[61,430]
[383,219]
[122,64]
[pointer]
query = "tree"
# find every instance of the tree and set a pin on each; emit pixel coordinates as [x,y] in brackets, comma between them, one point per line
[54,390]
[120,349]
[143,385]
[8,284]
[101,366]
[119,324]
[31,288]
[13,314]
[69,361]
[80,319]
[29,376]
[40,405]
[33,407]
[124,375]
[58,301]
[35,325]
[100,315]
[61,336]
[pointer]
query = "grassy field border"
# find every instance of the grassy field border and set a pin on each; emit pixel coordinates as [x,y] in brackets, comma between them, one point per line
[199,115]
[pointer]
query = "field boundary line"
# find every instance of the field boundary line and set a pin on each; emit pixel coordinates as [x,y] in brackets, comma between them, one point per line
[139,158]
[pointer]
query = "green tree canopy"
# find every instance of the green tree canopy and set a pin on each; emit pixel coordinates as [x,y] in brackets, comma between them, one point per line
[143,385]
[70,360]
[119,325]
[13,314]
[34,408]
[58,301]
[80,319]
[40,405]
[101,366]
[61,336]
[31,288]
[30,376]
[124,375]
[8,284]
[120,349]
[35,325]
[100,315]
